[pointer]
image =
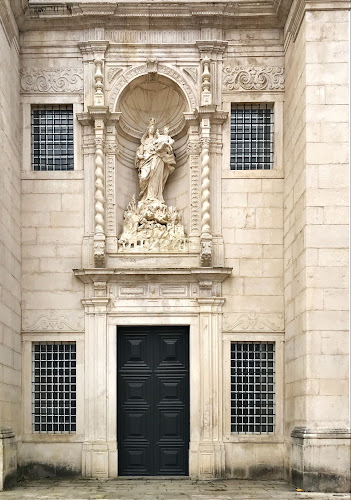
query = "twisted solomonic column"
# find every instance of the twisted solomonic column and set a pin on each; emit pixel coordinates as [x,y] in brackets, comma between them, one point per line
[99,237]
[206,238]
[205,187]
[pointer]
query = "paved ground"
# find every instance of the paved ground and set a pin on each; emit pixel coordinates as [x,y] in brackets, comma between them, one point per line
[160,489]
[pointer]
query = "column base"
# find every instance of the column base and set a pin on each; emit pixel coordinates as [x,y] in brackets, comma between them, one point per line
[320,459]
[206,460]
[99,460]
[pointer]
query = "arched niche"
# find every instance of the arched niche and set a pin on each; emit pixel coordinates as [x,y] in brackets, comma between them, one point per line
[158,96]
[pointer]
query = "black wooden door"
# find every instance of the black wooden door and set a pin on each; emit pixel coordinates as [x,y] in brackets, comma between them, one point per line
[153,400]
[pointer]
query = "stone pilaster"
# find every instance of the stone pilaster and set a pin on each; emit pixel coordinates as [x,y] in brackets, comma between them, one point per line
[99,455]
[209,452]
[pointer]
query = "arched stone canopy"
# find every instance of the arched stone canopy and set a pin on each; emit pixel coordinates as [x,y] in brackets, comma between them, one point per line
[139,94]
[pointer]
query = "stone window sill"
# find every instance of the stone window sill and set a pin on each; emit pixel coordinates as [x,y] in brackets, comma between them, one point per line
[53,175]
[252,174]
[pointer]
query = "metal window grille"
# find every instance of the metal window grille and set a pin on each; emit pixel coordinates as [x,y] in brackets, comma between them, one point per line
[52,137]
[252,387]
[251,140]
[54,387]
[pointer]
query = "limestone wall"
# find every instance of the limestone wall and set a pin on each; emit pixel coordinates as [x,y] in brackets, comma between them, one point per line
[10,233]
[316,249]
[294,222]
[10,246]
[53,228]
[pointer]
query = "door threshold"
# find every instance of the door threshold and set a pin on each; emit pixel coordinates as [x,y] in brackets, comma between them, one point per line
[154,478]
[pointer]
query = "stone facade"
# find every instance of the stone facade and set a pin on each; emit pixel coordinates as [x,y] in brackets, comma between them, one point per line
[265,257]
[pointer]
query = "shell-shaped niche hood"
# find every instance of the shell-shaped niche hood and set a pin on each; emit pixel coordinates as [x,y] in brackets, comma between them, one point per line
[151,96]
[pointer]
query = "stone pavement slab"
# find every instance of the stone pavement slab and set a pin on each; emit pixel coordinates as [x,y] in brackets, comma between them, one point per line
[160,489]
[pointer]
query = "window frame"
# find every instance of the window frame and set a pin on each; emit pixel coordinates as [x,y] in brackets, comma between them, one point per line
[28,172]
[48,354]
[277,435]
[40,116]
[277,101]
[29,435]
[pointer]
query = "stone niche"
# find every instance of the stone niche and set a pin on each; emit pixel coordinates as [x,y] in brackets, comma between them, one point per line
[158,97]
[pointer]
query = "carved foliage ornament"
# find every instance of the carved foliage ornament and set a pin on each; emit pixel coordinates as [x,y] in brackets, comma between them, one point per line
[253,322]
[54,323]
[253,78]
[52,80]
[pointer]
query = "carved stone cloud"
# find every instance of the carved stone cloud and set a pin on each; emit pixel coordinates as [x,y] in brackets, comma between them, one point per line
[253,78]
[52,80]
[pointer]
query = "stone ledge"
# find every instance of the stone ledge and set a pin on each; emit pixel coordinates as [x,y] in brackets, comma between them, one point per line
[322,433]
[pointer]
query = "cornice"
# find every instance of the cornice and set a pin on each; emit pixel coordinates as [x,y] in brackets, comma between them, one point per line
[297,14]
[8,21]
[220,14]
[214,274]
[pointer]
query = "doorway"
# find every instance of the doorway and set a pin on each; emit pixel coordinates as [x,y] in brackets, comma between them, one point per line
[153,400]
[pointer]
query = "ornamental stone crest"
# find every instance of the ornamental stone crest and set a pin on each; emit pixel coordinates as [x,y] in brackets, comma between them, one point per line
[253,78]
[253,322]
[150,225]
[52,322]
[52,80]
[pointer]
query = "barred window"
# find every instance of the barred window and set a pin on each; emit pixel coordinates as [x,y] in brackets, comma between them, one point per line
[251,139]
[52,137]
[252,387]
[54,387]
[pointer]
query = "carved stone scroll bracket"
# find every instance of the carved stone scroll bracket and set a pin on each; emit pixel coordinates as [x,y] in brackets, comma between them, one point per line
[206,252]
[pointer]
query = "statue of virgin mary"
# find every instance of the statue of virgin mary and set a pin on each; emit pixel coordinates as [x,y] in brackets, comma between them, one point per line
[155,161]
[151,225]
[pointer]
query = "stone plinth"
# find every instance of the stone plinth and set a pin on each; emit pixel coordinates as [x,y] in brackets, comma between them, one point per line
[8,457]
[321,459]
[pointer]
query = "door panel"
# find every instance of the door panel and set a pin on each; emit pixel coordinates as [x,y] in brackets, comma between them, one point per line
[153,400]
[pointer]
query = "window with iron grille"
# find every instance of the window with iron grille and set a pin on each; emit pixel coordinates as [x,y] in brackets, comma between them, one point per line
[252,387]
[251,139]
[54,387]
[52,137]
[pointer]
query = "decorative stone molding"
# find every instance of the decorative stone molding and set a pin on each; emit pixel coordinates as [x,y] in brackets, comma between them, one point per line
[192,72]
[112,73]
[253,322]
[111,151]
[253,78]
[100,288]
[52,80]
[194,149]
[51,322]
[131,73]
[111,148]
[206,252]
